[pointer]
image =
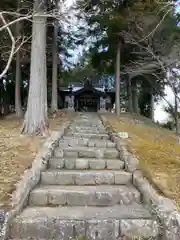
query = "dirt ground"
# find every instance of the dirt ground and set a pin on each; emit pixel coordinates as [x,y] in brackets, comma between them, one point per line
[18,151]
[158,152]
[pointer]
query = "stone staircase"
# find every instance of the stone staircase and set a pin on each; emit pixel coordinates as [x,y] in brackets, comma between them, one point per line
[85,193]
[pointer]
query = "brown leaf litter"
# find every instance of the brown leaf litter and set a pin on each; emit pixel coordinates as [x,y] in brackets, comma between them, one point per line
[158,153]
[18,151]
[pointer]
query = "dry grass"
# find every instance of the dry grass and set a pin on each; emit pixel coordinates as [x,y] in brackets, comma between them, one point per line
[158,153]
[17,152]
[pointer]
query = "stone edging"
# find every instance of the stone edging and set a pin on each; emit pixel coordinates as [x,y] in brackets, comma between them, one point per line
[164,208]
[29,180]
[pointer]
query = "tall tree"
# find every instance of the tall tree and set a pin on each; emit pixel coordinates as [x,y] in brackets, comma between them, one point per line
[118,77]
[36,121]
[18,106]
[55,57]
[54,98]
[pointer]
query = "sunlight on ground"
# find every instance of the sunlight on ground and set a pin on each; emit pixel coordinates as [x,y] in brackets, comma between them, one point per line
[158,153]
[18,152]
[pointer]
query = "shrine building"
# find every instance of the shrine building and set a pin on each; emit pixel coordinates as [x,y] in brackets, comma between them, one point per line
[87,97]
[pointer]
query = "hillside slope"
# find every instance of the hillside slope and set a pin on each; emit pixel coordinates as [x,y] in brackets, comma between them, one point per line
[157,150]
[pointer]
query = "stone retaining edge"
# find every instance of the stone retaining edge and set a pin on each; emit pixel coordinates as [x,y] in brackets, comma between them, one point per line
[29,180]
[164,208]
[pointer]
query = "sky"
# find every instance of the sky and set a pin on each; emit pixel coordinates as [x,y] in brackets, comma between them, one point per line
[159,115]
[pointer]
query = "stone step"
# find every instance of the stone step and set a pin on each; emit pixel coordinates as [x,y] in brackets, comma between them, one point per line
[101,195]
[80,222]
[65,137]
[88,125]
[99,127]
[86,177]
[85,163]
[86,143]
[86,152]
[88,130]
[89,135]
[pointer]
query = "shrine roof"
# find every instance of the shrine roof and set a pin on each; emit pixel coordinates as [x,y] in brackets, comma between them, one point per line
[77,88]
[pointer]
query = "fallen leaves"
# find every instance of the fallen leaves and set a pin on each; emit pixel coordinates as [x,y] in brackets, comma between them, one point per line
[158,153]
[18,151]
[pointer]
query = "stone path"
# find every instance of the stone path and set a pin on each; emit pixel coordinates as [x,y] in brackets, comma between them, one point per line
[85,193]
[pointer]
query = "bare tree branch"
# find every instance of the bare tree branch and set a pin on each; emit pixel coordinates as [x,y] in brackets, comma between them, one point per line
[12,47]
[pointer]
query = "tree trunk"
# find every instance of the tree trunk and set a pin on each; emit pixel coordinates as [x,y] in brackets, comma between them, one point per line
[176,115]
[36,121]
[118,78]
[152,106]
[54,97]
[129,92]
[134,96]
[18,106]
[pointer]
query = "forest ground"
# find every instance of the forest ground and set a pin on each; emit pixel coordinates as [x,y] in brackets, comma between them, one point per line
[157,149]
[18,151]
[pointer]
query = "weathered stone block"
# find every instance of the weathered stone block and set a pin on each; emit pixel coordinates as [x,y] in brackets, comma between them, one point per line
[38,197]
[70,152]
[171,226]
[99,153]
[121,144]
[123,153]
[110,144]
[58,152]
[122,177]
[131,163]
[31,229]
[149,195]
[114,164]
[111,153]
[129,195]
[87,153]
[80,198]
[56,163]
[106,198]
[100,144]
[102,229]
[69,229]
[104,177]
[81,163]
[91,143]
[57,177]
[69,163]
[85,178]
[56,197]
[83,142]
[97,164]
[139,228]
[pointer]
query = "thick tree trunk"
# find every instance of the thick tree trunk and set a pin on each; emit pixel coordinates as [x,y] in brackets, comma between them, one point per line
[118,78]
[134,96]
[18,107]
[54,97]
[129,92]
[36,122]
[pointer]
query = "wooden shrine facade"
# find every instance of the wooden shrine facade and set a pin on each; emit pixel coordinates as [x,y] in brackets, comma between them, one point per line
[87,97]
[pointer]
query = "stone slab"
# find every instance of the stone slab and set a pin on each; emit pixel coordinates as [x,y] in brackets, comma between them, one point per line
[63,222]
[89,135]
[89,152]
[86,142]
[85,177]
[86,163]
[101,195]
